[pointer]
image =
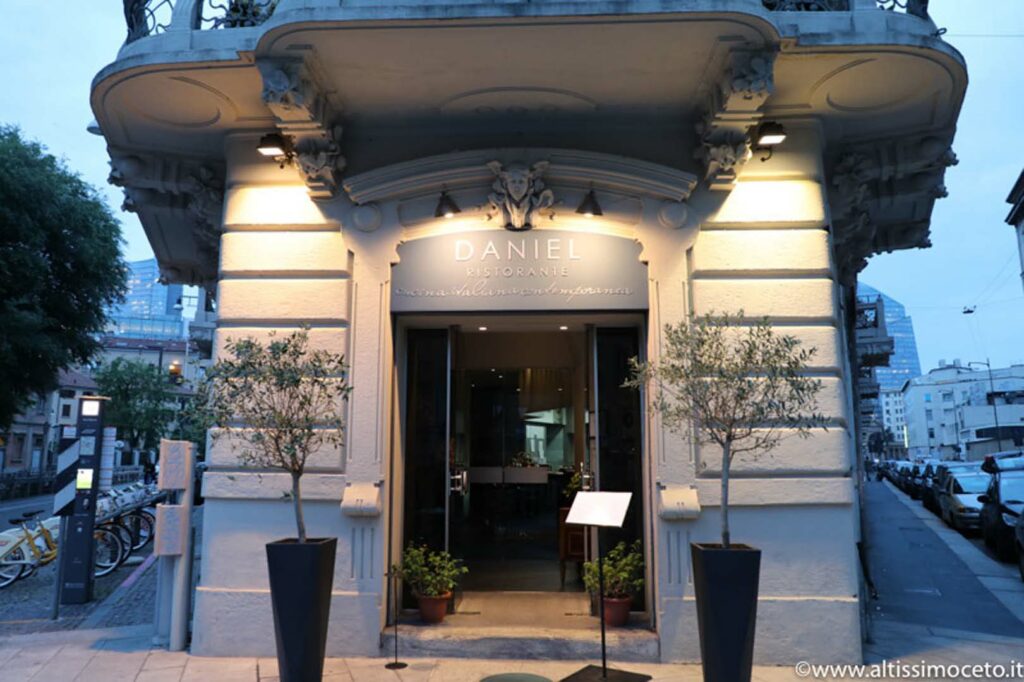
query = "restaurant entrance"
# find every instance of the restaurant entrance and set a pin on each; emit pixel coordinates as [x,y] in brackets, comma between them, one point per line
[505,418]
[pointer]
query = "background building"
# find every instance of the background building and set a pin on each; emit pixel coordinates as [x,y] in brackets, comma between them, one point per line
[151,309]
[874,348]
[30,444]
[951,412]
[1016,217]
[904,362]
[893,423]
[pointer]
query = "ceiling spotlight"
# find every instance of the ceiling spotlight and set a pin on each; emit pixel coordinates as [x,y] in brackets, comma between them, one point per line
[589,206]
[564,328]
[767,136]
[483,329]
[272,144]
[446,206]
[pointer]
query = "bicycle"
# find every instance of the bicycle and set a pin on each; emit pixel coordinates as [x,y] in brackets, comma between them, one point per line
[24,550]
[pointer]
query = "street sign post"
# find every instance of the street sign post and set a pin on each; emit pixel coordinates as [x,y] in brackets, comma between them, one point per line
[76,552]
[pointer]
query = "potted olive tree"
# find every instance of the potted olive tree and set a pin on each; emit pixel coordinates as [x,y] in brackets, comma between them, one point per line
[276,404]
[432,575]
[623,578]
[740,388]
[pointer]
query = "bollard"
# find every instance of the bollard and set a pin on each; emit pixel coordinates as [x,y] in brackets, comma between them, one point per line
[174,544]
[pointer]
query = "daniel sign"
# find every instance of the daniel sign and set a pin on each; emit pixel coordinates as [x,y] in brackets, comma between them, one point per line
[536,270]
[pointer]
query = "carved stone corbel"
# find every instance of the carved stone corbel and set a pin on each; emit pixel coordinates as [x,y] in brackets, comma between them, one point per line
[733,108]
[178,189]
[881,197]
[304,114]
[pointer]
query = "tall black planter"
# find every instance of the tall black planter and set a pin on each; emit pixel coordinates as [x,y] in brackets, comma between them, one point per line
[725,584]
[301,577]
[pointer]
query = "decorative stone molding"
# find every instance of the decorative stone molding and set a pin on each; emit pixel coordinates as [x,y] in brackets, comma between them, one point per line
[304,114]
[881,197]
[566,168]
[519,194]
[186,190]
[733,108]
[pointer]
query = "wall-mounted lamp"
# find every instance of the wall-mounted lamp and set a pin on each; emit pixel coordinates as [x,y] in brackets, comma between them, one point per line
[276,146]
[589,207]
[446,206]
[767,136]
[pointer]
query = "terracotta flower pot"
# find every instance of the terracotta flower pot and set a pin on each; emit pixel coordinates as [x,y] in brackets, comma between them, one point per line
[616,611]
[432,609]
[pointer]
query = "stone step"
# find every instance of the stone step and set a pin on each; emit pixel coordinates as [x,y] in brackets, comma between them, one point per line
[448,640]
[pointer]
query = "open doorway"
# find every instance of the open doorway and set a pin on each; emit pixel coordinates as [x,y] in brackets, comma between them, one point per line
[501,427]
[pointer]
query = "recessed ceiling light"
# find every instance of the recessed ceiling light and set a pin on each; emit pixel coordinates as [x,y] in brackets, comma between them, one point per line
[483,329]
[492,369]
[564,328]
[559,388]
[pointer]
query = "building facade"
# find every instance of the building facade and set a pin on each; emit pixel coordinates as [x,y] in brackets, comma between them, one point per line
[489,208]
[953,411]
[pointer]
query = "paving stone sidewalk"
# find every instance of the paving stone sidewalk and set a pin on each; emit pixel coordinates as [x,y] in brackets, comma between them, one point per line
[126,654]
[116,654]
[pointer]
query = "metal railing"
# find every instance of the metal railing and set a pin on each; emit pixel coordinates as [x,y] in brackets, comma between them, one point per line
[18,484]
[918,8]
[153,17]
[807,5]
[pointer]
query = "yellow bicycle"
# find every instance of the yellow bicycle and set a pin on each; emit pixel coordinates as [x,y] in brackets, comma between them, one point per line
[34,543]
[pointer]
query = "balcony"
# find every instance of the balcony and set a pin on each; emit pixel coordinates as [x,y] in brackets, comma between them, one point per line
[153,17]
[363,84]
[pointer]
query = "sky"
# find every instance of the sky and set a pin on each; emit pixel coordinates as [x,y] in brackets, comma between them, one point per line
[50,51]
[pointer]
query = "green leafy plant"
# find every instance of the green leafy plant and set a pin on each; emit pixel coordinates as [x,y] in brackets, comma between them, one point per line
[140,399]
[623,572]
[277,403]
[523,459]
[736,385]
[574,485]
[429,573]
[60,270]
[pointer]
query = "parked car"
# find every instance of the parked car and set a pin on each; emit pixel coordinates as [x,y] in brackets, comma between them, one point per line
[940,482]
[912,481]
[1002,505]
[1020,545]
[961,508]
[927,492]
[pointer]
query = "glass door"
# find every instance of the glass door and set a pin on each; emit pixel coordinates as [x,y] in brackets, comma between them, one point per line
[617,430]
[426,440]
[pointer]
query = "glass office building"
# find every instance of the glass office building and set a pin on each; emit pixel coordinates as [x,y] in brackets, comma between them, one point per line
[148,310]
[904,363]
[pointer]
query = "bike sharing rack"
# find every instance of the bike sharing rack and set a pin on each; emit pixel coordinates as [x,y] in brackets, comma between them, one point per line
[174,544]
[84,449]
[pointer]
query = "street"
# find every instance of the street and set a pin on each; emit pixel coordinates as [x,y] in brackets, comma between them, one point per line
[941,597]
[15,508]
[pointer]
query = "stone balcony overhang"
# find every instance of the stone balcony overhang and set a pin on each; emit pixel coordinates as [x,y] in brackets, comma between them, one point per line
[630,78]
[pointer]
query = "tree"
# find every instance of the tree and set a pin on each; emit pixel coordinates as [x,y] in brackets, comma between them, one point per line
[60,269]
[140,400]
[277,403]
[740,387]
